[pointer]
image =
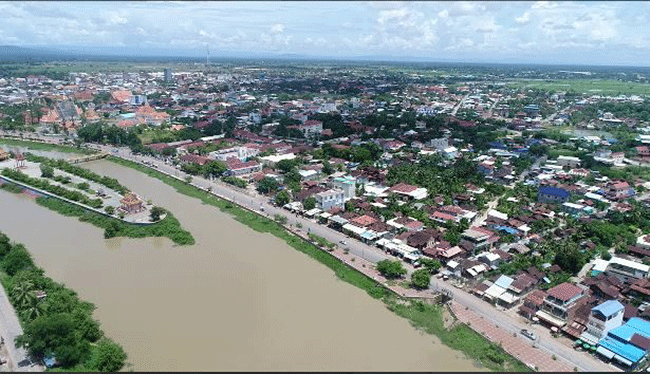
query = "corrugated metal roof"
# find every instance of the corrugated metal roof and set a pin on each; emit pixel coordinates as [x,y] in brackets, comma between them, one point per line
[609,307]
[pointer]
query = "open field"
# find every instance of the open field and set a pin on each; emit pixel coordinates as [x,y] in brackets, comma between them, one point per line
[593,86]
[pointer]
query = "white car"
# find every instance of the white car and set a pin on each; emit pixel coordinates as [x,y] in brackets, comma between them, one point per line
[343,242]
[529,334]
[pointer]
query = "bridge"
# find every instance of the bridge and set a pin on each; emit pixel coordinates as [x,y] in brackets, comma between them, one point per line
[87,158]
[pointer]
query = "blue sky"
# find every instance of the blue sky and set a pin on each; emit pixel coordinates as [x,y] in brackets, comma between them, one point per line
[518,32]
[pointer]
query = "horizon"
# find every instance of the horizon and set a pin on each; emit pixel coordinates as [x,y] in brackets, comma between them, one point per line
[539,33]
[63,53]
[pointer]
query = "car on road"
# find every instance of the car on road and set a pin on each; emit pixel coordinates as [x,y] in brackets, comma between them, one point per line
[529,334]
[343,242]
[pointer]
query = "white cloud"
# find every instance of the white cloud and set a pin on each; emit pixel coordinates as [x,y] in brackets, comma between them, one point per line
[524,19]
[278,28]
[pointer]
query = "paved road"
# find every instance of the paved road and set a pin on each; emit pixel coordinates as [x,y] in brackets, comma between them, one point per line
[459,105]
[9,329]
[582,361]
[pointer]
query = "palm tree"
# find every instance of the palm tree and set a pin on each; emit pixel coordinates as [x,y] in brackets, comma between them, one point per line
[23,294]
[35,310]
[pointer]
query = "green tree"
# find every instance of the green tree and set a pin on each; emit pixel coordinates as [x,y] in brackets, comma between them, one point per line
[327,168]
[391,269]
[17,259]
[83,186]
[54,334]
[282,198]
[110,356]
[109,209]
[420,279]
[47,171]
[22,294]
[268,185]
[309,203]
[155,213]
[433,266]
[112,229]
[214,169]
[286,165]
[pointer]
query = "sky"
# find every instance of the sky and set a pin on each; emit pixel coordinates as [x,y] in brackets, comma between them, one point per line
[563,32]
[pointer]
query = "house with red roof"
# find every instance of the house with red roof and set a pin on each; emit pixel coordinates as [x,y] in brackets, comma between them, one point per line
[237,167]
[560,303]
[409,191]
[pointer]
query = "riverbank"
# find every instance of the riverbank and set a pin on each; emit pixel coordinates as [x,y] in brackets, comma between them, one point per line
[422,315]
[45,146]
[53,320]
[168,227]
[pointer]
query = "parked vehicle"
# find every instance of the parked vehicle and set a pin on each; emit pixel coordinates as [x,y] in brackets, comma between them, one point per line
[529,334]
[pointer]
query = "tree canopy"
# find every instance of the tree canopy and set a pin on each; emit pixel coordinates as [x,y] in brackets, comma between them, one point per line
[391,269]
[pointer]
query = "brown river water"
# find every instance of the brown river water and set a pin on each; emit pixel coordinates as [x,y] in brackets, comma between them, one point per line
[236,300]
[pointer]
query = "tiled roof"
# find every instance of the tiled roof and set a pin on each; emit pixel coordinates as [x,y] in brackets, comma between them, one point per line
[403,187]
[564,291]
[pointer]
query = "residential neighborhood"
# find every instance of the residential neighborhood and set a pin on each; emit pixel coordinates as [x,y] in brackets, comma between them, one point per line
[533,201]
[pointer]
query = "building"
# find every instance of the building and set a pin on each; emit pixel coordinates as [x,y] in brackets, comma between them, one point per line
[329,199]
[628,344]
[130,203]
[347,185]
[168,75]
[552,195]
[137,100]
[310,128]
[559,304]
[412,192]
[569,161]
[626,270]
[602,319]
[241,153]
[237,167]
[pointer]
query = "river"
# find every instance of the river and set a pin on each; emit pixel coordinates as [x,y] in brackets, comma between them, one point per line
[237,300]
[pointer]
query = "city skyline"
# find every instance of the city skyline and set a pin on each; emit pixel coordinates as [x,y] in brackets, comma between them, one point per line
[590,33]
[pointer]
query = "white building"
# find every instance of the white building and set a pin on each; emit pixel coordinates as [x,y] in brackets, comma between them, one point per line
[603,318]
[329,199]
[241,153]
[347,185]
[273,159]
[625,269]
[568,161]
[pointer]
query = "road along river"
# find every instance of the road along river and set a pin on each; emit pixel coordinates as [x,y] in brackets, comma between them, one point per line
[236,300]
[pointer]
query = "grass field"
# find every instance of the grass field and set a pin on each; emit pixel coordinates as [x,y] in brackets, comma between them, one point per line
[587,86]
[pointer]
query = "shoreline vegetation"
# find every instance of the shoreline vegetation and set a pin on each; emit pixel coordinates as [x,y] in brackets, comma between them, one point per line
[168,227]
[45,146]
[423,316]
[56,323]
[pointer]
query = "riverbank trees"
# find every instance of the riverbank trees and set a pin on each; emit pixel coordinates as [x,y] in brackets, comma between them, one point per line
[55,321]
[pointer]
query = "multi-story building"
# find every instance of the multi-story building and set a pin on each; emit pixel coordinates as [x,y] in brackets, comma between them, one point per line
[329,199]
[602,319]
[347,185]
[559,304]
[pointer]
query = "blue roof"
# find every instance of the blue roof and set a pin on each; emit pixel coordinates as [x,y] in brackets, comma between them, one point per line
[609,308]
[553,191]
[618,339]
[504,281]
[507,229]
[620,348]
